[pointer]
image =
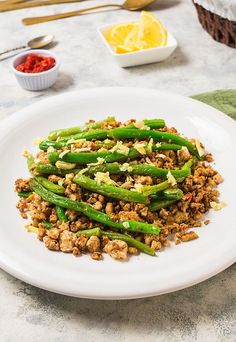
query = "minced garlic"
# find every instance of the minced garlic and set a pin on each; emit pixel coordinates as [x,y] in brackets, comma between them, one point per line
[141,125]
[63,153]
[160,155]
[126,225]
[50,149]
[31,229]
[100,161]
[103,177]
[83,171]
[149,145]
[126,167]
[83,149]
[140,147]
[64,165]
[148,161]
[138,187]
[171,179]
[120,148]
[217,206]
[26,153]
[199,148]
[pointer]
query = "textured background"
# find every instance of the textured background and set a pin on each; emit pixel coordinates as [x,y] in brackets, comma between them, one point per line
[205,312]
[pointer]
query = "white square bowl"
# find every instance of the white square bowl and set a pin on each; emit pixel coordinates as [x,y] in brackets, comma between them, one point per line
[145,56]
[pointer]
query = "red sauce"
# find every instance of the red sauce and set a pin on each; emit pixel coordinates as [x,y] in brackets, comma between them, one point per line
[36,63]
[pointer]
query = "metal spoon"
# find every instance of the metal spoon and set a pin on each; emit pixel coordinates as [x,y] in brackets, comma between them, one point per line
[131,5]
[35,43]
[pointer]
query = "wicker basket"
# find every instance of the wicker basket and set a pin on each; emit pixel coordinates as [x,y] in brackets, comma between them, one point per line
[222,30]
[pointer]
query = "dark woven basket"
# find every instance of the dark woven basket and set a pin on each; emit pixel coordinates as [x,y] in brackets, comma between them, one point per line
[222,30]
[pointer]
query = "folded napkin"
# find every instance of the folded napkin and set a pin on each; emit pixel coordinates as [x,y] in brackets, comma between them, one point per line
[223,100]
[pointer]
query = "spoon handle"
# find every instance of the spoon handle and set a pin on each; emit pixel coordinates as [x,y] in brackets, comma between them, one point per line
[12,5]
[37,20]
[7,51]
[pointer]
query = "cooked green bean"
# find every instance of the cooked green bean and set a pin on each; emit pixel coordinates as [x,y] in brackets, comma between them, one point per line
[57,189]
[99,134]
[44,145]
[87,210]
[110,190]
[83,158]
[86,158]
[168,194]
[152,123]
[49,169]
[130,241]
[165,202]
[24,194]
[61,214]
[121,134]
[89,232]
[148,190]
[53,135]
[140,169]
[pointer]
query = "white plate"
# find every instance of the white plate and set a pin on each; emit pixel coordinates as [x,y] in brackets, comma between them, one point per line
[23,256]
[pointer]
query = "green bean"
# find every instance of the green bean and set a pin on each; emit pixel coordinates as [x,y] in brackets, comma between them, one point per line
[130,241]
[188,164]
[121,134]
[89,232]
[53,135]
[148,190]
[168,194]
[24,194]
[153,124]
[140,169]
[57,189]
[109,157]
[163,203]
[61,215]
[47,225]
[110,190]
[87,210]
[99,134]
[44,145]
[86,158]
[49,169]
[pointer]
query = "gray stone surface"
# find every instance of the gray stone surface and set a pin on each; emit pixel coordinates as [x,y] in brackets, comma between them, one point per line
[205,312]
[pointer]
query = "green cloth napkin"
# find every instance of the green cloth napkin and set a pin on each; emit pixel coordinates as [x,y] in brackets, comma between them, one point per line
[223,100]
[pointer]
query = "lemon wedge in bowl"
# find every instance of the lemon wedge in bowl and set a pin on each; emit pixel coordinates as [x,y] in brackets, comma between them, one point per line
[129,37]
[152,33]
[118,33]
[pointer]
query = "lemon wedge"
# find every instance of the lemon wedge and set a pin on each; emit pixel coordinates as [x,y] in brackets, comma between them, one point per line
[133,36]
[118,33]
